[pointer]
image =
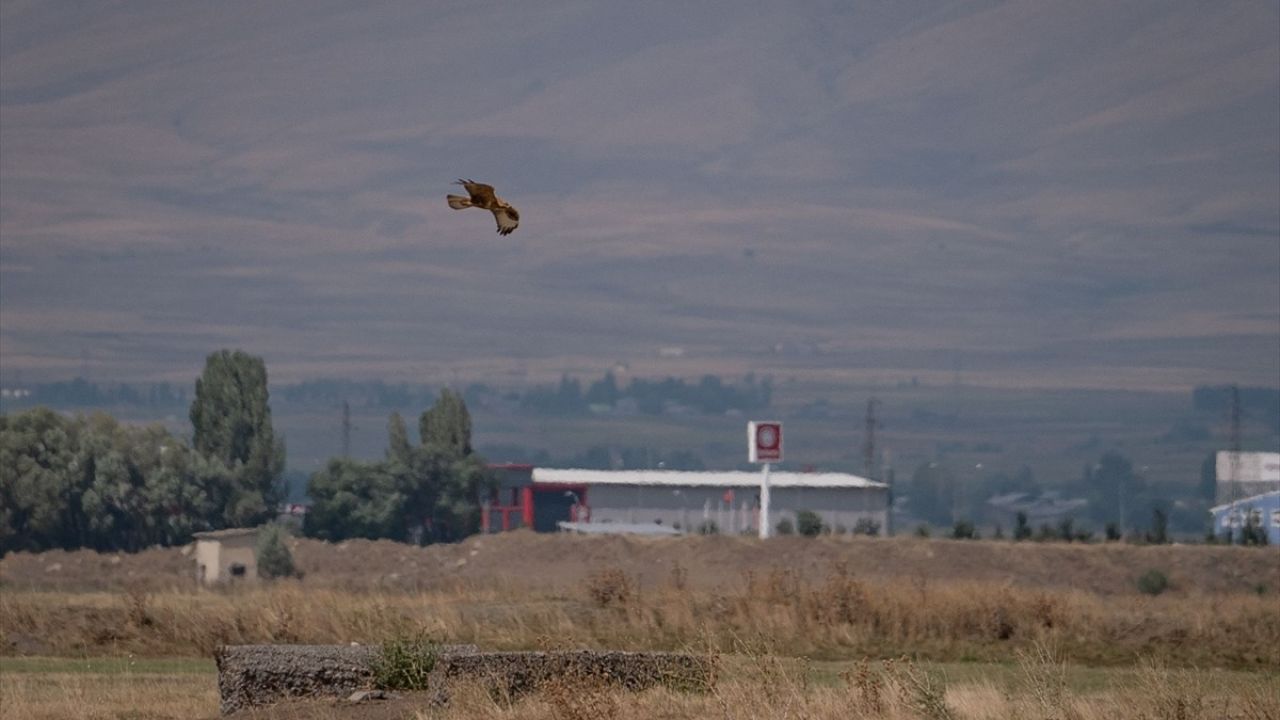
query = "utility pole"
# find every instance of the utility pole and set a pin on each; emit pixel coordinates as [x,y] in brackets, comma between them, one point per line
[1233,461]
[869,441]
[346,429]
[1235,443]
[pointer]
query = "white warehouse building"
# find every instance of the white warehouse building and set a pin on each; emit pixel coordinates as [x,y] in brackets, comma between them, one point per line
[689,501]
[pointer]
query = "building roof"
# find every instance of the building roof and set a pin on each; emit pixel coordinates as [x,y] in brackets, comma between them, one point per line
[1044,507]
[223,534]
[518,467]
[609,528]
[1266,496]
[676,478]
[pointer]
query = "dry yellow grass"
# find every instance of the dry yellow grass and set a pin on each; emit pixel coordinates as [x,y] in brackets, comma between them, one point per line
[766,686]
[93,696]
[839,617]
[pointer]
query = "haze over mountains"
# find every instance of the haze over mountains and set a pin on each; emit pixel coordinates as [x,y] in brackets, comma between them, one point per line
[1066,194]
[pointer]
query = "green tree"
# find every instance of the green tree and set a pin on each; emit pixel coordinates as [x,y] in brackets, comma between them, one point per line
[425,493]
[274,558]
[113,497]
[189,492]
[1159,533]
[231,418]
[446,479]
[355,499]
[964,530]
[809,523]
[399,449]
[1021,527]
[447,424]
[1253,532]
[93,482]
[39,499]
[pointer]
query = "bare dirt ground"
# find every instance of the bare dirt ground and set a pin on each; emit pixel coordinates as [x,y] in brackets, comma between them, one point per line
[525,559]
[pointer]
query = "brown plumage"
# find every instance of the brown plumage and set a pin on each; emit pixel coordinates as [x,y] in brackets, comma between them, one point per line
[482,196]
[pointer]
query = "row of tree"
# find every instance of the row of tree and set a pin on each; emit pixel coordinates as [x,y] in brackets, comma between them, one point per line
[425,492]
[710,395]
[70,482]
[90,481]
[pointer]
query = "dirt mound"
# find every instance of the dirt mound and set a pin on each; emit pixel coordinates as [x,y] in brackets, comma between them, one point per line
[526,559]
[556,561]
[85,570]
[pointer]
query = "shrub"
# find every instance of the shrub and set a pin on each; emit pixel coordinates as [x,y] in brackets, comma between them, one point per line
[1253,533]
[610,586]
[405,663]
[865,526]
[809,523]
[785,527]
[1153,582]
[1066,529]
[964,530]
[922,530]
[1021,528]
[708,527]
[274,558]
[1159,533]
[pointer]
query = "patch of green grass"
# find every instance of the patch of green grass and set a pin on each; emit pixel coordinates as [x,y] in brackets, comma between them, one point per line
[108,665]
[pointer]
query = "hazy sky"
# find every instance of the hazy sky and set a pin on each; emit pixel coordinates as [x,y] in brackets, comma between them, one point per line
[1037,193]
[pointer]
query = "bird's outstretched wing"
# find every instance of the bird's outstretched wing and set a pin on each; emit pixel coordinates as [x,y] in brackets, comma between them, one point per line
[481,194]
[508,219]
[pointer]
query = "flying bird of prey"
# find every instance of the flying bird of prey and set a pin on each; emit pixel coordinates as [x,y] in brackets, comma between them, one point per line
[482,197]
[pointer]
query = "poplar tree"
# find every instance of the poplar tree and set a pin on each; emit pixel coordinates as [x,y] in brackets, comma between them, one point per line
[231,418]
[399,450]
[447,425]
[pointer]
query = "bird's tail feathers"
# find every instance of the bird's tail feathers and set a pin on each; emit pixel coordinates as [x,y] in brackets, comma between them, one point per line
[457,202]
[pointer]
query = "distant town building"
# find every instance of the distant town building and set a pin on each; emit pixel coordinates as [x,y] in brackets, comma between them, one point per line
[682,501]
[1261,510]
[1246,474]
[1040,509]
[226,556]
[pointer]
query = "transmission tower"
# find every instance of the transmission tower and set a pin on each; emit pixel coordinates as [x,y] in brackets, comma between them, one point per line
[869,441]
[1234,459]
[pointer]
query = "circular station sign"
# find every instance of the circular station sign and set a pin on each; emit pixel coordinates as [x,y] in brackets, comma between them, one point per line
[764,441]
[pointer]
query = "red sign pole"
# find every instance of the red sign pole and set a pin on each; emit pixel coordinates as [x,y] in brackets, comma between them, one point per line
[764,445]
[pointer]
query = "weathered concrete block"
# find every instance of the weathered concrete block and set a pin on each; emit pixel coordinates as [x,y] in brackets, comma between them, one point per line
[251,675]
[509,674]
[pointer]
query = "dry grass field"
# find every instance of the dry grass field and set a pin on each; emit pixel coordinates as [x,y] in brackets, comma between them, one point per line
[806,628]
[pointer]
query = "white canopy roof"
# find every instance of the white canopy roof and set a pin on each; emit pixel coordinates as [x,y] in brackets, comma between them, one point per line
[699,478]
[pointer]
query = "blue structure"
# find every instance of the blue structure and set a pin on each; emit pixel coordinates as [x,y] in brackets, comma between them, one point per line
[1264,509]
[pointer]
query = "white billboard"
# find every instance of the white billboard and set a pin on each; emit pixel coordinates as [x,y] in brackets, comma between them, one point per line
[1248,467]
